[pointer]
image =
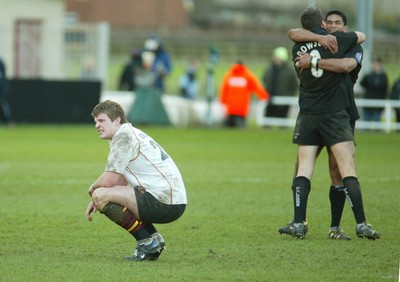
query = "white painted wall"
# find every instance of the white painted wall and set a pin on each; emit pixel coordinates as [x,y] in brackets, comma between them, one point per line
[51,13]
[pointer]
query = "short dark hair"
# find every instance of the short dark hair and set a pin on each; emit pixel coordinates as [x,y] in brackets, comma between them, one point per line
[311,18]
[337,12]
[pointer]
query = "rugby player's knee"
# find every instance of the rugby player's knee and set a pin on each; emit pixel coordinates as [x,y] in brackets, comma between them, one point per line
[98,198]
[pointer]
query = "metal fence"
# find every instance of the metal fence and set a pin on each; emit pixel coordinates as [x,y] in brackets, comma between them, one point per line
[86,52]
[387,123]
[83,52]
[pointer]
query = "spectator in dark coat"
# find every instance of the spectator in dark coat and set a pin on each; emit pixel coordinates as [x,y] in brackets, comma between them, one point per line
[395,95]
[5,108]
[127,78]
[162,65]
[376,85]
[279,80]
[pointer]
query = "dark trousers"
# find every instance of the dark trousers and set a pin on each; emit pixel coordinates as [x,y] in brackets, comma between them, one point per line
[5,109]
[276,111]
[235,121]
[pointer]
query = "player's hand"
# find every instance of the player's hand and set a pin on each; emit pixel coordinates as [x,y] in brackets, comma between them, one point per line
[329,42]
[303,61]
[90,208]
[90,190]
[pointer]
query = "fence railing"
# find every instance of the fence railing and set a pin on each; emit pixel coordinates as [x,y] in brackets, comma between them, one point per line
[86,49]
[387,123]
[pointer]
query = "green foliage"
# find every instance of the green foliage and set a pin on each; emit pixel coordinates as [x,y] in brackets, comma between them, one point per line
[238,185]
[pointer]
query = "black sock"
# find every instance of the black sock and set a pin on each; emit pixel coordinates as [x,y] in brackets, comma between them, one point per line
[353,194]
[337,198]
[149,227]
[125,218]
[301,188]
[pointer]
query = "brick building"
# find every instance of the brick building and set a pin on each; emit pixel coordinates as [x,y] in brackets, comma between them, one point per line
[131,13]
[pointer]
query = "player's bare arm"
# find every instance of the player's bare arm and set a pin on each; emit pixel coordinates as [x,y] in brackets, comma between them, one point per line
[303,35]
[343,65]
[361,37]
[328,41]
[108,179]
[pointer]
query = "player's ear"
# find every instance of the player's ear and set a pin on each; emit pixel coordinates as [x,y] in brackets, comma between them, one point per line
[323,24]
[117,120]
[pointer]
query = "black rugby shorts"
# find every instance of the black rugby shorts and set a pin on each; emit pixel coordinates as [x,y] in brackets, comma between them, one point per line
[323,129]
[152,210]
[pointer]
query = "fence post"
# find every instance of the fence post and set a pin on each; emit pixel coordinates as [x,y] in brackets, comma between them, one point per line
[102,51]
[388,116]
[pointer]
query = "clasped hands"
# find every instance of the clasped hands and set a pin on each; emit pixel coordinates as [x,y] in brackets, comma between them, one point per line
[303,61]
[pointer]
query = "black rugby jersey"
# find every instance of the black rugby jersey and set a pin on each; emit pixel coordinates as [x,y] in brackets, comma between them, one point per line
[356,53]
[323,91]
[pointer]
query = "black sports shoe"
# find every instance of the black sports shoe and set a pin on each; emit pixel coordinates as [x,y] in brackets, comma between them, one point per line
[298,231]
[145,250]
[337,233]
[366,231]
[157,236]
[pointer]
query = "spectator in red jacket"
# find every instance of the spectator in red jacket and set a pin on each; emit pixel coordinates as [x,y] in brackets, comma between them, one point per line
[237,86]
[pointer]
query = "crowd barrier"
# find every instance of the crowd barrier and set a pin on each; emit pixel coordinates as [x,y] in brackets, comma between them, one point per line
[387,123]
[51,101]
[183,112]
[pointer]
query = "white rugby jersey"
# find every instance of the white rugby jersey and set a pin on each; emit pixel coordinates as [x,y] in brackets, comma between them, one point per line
[144,163]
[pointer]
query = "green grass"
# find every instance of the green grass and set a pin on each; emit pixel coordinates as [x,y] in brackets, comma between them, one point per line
[238,186]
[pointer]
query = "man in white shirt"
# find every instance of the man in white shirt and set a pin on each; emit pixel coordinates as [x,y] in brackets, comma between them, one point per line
[141,184]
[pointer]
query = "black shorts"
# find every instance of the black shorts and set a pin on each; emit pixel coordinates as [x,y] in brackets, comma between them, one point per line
[323,129]
[153,211]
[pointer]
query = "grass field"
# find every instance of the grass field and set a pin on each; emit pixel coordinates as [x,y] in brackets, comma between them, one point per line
[238,185]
